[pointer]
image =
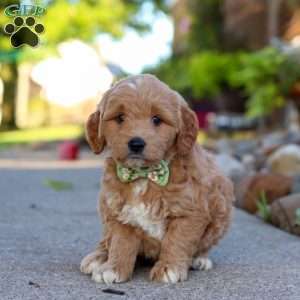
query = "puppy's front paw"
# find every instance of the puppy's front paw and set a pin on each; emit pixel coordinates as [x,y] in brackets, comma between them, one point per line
[202,263]
[167,273]
[91,262]
[106,274]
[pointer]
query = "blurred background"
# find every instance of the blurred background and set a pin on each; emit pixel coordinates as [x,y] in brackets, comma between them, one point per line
[236,62]
[238,59]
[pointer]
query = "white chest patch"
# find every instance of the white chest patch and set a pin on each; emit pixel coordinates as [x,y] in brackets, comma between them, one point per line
[138,214]
[140,188]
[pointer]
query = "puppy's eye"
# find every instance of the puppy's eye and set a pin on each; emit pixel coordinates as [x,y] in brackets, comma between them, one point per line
[120,118]
[156,120]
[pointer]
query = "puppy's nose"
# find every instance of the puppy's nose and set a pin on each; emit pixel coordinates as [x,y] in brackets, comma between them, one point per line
[136,145]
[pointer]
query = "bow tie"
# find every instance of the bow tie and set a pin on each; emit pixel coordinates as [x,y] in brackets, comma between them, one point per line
[158,173]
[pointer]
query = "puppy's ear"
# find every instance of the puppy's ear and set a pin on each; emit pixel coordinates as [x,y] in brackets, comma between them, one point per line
[93,128]
[92,132]
[188,130]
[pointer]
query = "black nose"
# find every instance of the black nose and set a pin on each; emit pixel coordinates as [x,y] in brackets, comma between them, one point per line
[136,145]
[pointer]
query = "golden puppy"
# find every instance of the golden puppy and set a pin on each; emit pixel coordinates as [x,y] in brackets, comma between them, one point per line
[162,196]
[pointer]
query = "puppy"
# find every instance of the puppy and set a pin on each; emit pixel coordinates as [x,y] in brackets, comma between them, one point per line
[162,195]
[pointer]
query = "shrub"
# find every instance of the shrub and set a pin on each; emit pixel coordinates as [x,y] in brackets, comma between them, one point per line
[209,72]
[259,78]
[265,77]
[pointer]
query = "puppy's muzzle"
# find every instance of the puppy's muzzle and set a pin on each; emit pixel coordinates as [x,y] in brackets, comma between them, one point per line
[136,145]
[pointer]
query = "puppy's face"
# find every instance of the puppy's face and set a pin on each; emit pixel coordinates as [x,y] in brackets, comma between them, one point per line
[140,120]
[139,127]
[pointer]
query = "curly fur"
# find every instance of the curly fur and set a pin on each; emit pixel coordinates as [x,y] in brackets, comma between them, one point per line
[176,225]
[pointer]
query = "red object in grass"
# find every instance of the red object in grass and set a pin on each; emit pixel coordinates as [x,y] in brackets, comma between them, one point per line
[68,150]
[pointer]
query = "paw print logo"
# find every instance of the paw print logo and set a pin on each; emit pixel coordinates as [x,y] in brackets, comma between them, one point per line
[24,32]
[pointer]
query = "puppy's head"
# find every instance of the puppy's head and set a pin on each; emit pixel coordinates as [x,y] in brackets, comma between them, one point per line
[141,120]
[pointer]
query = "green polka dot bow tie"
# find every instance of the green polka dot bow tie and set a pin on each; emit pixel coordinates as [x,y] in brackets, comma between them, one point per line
[158,173]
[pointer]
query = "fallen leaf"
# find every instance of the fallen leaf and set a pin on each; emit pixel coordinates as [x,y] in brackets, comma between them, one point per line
[58,185]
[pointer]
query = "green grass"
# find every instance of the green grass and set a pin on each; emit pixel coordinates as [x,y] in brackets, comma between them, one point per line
[43,134]
[263,207]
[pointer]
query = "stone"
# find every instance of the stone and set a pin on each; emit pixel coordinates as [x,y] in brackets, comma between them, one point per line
[285,160]
[249,190]
[272,140]
[249,162]
[296,184]
[284,213]
[238,148]
[231,167]
[245,147]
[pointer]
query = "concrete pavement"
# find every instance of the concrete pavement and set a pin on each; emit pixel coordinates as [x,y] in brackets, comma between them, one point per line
[45,233]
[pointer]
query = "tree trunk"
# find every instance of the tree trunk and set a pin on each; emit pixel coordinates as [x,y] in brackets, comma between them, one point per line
[9,95]
[1,98]
[22,95]
[273,18]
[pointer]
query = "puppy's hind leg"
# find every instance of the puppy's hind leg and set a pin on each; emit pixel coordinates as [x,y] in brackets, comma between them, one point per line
[95,259]
[202,263]
[177,249]
[213,233]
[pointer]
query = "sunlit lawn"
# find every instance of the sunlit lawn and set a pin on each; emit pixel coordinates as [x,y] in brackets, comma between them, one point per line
[44,134]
